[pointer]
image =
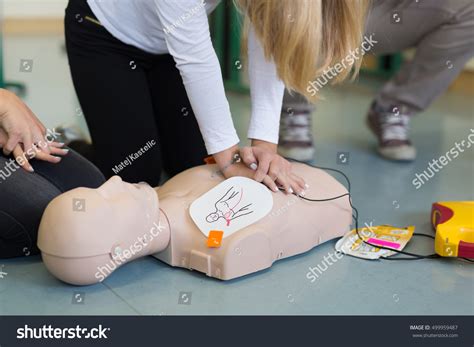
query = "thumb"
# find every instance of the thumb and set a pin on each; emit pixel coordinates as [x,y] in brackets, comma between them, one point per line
[13,140]
[249,158]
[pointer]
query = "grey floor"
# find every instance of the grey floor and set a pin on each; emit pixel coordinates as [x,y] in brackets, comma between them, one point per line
[382,192]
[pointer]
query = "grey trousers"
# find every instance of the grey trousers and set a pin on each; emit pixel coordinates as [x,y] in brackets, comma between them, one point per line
[441,31]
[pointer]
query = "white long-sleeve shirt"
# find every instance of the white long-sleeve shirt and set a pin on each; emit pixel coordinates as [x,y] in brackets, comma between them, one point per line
[180,28]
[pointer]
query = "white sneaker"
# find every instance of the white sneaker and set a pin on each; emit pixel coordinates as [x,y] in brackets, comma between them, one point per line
[392,131]
[296,139]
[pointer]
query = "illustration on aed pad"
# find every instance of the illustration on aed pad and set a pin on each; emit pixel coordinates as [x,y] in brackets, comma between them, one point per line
[227,205]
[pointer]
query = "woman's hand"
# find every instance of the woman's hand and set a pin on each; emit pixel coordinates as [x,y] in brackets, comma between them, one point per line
[261,163]
[22,134]
[271,169]
[22,157]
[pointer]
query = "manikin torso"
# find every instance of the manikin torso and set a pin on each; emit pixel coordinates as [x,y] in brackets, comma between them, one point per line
[84,247]
[292,227]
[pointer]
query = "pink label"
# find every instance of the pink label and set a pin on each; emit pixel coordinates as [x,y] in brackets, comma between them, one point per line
[383,243]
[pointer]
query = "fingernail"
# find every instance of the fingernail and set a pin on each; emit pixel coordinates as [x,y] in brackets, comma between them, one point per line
[31,169]
[253,166]
[290,191]
[58,159]
[61,143]
[306,186]
[275,189]
[302,193]
[65,150]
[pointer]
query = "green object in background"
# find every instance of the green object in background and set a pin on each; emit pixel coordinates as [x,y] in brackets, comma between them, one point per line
[235,60]
[17,88]
[217,28]
[225,24]
[385,66]
[2,80]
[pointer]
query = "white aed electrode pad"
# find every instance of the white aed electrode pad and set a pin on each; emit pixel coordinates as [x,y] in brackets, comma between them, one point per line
[230,206]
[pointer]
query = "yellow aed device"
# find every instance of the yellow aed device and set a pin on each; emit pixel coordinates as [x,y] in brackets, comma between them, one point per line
[454,225]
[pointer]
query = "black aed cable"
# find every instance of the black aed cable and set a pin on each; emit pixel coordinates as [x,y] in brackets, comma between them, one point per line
[355,216]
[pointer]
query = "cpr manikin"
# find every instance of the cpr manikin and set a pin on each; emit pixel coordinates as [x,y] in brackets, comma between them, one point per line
[85,234]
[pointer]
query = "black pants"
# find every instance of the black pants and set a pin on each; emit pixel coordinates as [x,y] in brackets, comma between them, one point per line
[24,197]
[130,97]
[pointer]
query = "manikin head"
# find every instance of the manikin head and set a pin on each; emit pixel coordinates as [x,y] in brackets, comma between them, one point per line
[85,234]
[212,217]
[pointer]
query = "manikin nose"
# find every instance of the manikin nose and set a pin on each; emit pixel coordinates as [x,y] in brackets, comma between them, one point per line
[111,185]
[142,185]
[115,179]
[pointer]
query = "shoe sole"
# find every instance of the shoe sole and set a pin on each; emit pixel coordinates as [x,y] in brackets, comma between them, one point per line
[300,154]
[399,153]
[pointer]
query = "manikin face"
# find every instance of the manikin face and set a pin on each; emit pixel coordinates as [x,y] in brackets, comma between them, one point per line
[115,204]
[212,217]
[118,193]
[88,224]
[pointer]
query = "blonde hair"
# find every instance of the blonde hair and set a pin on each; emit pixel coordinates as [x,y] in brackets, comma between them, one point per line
[305,37]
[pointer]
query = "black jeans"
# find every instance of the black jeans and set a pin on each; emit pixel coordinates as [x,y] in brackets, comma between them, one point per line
[24,197]
[130,97]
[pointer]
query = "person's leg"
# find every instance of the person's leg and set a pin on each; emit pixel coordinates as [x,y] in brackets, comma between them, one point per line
[110,79]
[182,143]
[24,197]
[296,139]
[442,33]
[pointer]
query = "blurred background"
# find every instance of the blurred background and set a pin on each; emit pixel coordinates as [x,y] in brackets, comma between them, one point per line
[32,31]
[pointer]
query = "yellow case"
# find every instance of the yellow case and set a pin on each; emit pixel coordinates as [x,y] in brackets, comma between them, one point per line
[454,225]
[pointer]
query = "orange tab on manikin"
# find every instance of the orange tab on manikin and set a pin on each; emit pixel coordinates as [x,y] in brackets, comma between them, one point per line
[214,239]
[210,160]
